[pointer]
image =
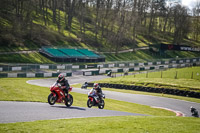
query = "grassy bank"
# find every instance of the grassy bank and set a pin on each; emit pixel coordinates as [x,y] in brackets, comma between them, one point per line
[109,124]
[34,57]
[146,55]
[173,78]
[137,56]
[38,58]
[174,73]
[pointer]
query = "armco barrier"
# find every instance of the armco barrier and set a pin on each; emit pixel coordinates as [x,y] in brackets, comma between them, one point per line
[151,89]
[129,67]
[32,75]
[138,68]
[28,67]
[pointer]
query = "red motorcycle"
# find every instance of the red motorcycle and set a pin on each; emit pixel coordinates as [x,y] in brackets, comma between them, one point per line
[58,95]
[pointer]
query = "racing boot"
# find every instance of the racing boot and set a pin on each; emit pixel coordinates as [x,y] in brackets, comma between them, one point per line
[66,95]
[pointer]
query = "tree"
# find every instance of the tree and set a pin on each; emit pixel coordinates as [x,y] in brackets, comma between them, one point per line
[196,22]
[70,10]
[181,23]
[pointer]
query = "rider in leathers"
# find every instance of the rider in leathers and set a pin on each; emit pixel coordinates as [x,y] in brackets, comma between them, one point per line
[64,83]
[97,89]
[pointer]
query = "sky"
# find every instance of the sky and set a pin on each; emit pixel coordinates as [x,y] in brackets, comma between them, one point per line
[189,3]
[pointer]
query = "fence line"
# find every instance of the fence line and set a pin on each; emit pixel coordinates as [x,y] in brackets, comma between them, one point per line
[168,74]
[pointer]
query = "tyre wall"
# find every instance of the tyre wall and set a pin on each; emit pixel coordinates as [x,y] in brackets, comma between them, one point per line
[151,89]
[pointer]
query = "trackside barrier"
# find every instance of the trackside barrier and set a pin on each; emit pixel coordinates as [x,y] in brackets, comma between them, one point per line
[98,71]
[35,67]
[32,75]
[137,68]
[92,72]
[151,89]
[28,67]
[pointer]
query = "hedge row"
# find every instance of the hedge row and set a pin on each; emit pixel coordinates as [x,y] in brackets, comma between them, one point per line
[151,89]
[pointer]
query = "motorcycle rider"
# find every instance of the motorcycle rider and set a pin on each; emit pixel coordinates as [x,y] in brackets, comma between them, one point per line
[109,73]
[64,83]
[98,90]
[194,112]
[85,85]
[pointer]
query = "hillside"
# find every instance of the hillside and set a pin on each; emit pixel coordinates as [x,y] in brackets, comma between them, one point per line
[30,25]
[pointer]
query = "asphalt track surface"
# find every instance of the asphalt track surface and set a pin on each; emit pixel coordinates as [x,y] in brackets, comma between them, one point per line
[11,112]
[30,111]
[178,106]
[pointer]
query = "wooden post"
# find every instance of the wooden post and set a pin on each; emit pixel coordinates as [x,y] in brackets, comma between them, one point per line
[176,76]
[192,76]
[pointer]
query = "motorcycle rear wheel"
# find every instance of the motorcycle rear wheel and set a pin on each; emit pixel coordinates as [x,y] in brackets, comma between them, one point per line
[89,103]
[69,101]
[101,104]
[52,99]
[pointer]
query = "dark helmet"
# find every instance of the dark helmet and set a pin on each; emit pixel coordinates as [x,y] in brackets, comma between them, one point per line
[61,77]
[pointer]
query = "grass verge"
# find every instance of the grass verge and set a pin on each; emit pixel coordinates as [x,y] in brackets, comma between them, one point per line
[162,121]
[147,93]
[183,80]
[109,124]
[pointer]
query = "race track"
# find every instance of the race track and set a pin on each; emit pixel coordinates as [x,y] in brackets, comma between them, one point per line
[178,106]
[30,111]
[11,112]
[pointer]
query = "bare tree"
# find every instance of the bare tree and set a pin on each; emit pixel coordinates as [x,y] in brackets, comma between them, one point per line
[196,21]
[181,23]
[70,10]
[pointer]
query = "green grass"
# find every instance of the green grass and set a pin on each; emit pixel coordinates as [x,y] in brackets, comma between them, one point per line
[147,93]
[28,45]
[21,91]
[154,94]
[174,73]
[119,124]
[184,84]
[159,121]
[137,56]
[146,55]
[24,58]
[168,81]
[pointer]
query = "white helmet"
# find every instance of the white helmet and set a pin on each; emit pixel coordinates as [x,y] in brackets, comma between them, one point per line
[96,85]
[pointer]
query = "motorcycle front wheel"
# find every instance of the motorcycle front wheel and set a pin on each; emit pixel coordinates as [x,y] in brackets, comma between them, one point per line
[101,104]
[69,101]
[52,99]
[89,103]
